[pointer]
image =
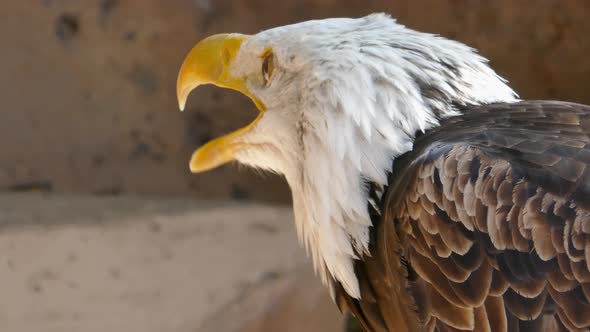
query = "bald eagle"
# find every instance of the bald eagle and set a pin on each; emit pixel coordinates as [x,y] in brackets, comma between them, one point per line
[427,194]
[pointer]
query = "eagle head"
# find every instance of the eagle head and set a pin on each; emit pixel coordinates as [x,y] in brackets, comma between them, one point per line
[338,100]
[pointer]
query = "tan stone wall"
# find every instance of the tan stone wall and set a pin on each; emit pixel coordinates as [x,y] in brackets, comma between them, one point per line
[87,87]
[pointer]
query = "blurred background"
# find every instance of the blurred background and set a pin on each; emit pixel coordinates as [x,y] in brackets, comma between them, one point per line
[101,224]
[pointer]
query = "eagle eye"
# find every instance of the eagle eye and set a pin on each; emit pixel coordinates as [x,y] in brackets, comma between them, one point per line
[267,66]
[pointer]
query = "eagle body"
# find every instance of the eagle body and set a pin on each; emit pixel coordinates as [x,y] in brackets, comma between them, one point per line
[428,196]
[484,226]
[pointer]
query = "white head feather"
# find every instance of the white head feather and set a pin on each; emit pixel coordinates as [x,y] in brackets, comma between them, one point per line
[345,98]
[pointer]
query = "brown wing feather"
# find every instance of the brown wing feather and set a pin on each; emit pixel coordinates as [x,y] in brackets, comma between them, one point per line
[491,211]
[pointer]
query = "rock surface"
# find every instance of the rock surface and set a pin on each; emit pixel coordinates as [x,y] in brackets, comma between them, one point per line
[88,87]
[125,264]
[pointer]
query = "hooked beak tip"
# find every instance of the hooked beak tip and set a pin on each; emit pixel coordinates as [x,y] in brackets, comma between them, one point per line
[181,103]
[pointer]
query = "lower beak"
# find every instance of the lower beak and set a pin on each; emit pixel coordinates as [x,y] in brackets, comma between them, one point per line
[220,150]
[209,62]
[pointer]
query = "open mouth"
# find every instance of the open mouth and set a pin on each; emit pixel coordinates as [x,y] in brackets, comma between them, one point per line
[209,62]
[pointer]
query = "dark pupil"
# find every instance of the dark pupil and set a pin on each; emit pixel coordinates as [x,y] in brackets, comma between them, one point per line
[265,66]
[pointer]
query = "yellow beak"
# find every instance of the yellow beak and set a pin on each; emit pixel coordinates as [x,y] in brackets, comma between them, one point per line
[209,62]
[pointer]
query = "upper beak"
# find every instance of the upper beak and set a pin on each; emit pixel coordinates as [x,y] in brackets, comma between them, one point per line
[209,62]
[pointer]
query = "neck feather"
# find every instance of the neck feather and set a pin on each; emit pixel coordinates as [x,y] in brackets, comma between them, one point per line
[359,120]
